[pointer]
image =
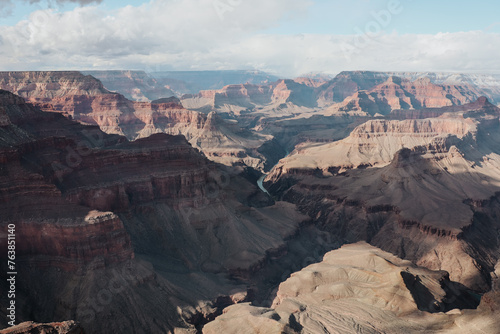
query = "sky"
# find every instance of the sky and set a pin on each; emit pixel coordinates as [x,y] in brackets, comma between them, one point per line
[284,37]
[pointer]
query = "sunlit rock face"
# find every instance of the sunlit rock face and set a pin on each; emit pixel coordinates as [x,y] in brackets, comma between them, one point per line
[397,93]
[361,289]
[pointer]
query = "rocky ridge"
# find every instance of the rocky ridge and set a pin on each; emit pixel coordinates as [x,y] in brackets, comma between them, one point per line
[487,84]
[192,82]
[398,94]
[256,124]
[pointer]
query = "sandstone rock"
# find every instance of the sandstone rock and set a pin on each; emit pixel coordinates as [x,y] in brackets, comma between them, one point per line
[46,85]
[281,97]
[346,84]
[288,91]
[357,288]
[487,84]
[397,93]
[236,98]
[311,82]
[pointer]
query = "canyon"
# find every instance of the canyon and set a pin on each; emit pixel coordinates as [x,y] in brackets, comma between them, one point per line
[249,124]
[140,211]
[84,99]
[96,224]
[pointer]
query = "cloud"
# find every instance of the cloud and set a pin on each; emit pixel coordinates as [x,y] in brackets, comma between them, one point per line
[169,27]
[81,2]
[226,34]
[7,6]
[297,54]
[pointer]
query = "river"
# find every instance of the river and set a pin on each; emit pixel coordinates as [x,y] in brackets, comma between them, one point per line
[260,181]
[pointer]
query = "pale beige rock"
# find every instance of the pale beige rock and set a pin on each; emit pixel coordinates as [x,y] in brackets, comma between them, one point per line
[355,289]
[375,142]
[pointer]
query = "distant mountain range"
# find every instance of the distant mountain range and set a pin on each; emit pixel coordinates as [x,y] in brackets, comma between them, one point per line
[142,86]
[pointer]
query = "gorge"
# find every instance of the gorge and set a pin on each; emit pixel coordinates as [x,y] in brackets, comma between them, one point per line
[294,206]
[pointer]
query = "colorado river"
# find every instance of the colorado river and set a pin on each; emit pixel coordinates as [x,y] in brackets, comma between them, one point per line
[260,181]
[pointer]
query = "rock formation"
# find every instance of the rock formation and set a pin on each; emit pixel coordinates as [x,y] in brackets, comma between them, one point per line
[397,93]
[487,84]
[280,97]
[346,84]
[67,327]
[252,117]
[361,289]
[311,81]
[235,98]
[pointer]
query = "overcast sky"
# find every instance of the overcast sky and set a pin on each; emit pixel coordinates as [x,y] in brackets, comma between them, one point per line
[284,37]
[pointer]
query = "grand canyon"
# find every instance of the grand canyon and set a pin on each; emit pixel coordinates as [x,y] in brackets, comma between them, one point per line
[366,202]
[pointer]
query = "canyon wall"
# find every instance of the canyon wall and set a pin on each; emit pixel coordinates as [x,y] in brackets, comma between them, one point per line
[115,234]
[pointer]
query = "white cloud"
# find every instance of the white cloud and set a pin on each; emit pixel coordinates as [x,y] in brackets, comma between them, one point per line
[225,34]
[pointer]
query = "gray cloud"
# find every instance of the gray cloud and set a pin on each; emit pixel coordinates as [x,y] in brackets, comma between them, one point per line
[7,6]
[194,34]
[81,2]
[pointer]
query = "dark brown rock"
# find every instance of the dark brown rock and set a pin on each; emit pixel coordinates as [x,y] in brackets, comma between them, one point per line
[67,327]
